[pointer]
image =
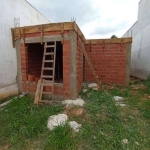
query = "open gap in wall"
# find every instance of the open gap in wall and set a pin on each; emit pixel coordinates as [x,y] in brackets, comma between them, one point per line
[59,63]
[35,57]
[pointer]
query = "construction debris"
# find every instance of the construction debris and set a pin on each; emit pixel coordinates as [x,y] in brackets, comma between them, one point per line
[118,98]
[92,85]
[23,94]
[77,102]
[125,141]
[60,120]
[84,90]
[120,104]
[6,103]
[136,143]
[56,120]
[74,111]
[75,126]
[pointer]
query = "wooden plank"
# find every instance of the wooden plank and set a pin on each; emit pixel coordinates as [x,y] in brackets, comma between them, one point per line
[12,35]
[109,41]
[16,33]
[47,27]
[46,102]
[77,29]
[67,26]
[37,94]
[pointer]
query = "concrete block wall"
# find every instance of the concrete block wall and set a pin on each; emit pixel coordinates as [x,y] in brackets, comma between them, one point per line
[110,61]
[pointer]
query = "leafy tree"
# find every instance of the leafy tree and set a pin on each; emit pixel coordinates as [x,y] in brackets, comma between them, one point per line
[113,36]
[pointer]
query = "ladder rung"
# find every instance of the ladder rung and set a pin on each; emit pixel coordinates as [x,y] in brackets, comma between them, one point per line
[48,61]
[49,53]
[45,101]
[44,76]
[49,46]
[47,68]
[45,92]
[48,84]
[47,81]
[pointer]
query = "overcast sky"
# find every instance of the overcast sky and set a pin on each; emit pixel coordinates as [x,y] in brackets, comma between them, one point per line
[96,18]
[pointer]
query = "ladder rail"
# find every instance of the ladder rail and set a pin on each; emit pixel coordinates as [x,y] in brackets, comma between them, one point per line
[54,67]
[43,82]
[92,69]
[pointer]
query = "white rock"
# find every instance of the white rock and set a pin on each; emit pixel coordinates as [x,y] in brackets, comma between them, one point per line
[131,117]
[23,94]
[77,102]
[56,120]
[118,98]
[136,143]
[91,85]
[125,141]
[75,126]
[84,90]
[120,104]
[95,88]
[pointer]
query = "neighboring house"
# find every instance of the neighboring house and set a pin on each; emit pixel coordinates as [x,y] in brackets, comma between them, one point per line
[27,15]
[140,31]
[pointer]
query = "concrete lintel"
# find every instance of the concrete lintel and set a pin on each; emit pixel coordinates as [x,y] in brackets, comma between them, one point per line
[46,39]
[73,72]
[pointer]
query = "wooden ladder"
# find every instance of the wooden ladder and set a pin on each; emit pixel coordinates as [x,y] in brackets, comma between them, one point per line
[47,74]
[99,83]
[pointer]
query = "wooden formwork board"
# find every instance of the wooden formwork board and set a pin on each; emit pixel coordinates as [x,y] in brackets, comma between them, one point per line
[109,41]
[64,26]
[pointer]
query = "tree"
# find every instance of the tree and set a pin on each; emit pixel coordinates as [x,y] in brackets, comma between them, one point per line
[113,36]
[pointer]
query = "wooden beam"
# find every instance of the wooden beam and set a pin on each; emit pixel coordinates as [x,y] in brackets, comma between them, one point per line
[109,41]
[18,32]
[48,28]
[12,35]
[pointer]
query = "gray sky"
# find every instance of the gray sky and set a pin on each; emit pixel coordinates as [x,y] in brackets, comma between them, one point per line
[96,18]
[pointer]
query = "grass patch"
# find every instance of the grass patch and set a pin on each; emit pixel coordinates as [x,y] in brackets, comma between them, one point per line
[21,120]
[61,138]
[147,83]
[104,126]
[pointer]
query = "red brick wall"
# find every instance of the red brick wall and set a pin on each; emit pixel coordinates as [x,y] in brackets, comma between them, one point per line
[79,64]
[109,62]
[28,66]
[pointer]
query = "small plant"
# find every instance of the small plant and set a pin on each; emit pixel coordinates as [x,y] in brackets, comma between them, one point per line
[113,36]
[148,85]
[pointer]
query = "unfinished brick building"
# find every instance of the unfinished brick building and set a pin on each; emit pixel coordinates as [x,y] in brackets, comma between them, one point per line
[110,58]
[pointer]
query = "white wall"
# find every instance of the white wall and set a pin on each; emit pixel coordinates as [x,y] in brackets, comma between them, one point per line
[8,61]
[140,58]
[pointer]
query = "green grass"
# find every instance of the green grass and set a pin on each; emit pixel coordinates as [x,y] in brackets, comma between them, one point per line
[147,83]
[21,120]
[105,125]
